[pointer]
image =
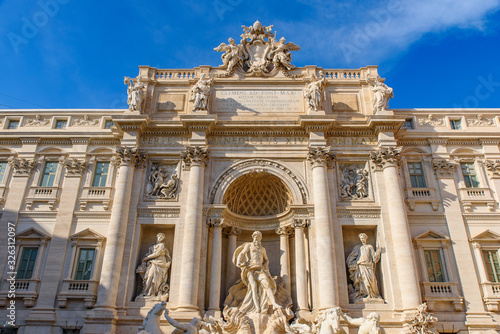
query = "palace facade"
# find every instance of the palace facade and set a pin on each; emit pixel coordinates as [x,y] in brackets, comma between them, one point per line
[114,211]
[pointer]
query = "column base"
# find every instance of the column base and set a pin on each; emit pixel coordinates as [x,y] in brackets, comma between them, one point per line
[481,323]
[102,320]
[41,317]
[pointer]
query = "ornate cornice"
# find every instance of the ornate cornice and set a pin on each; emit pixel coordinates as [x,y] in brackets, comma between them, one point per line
[195,156]
[22,167]
[320,156]
[443,168]
[493,168]
[129,156]
[74,167]
[386,157]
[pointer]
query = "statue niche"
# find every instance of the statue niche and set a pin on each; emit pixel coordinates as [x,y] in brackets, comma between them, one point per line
[154,270]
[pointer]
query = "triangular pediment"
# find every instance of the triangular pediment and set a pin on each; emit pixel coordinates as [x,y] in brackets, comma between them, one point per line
[487,236]
[431,235]
[32,233]
[88,234]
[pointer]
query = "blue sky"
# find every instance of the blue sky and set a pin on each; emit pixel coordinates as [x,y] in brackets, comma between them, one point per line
[74,54]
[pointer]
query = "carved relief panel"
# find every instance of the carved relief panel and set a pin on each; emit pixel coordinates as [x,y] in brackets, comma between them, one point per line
[354,182]
[162,182]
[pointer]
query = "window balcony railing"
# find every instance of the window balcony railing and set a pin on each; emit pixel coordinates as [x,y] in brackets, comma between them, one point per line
[24,288]
[476,196]
[42,194]
[73,289]
[491,295]
[421,196]
[96,195]
[434,292]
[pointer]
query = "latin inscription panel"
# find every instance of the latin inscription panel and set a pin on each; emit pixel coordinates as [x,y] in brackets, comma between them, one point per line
[258,101]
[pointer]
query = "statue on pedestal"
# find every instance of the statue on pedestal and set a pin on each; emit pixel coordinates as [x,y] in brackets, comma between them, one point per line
[361,263]
[381,96]
[135,94]
[314,93]
[154,270]
[200,93]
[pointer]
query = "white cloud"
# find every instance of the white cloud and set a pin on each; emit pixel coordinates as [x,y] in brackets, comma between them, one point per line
[372,31]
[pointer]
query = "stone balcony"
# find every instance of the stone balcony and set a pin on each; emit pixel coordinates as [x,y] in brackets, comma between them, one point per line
[42,194]
[24,288]
[72,289]
[96,195]
[421,196]
[491,295]
[434,292]
[476,196]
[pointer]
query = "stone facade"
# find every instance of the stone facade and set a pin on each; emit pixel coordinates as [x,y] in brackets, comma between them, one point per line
[100,201]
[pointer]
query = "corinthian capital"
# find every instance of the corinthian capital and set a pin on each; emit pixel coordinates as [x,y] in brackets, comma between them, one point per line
[284,230]
[129,156]
[320,156]
[443,168]
[386,157]
[22,166]
[74,167]
[301,223]
[493,168]
[231,230]
[195,156]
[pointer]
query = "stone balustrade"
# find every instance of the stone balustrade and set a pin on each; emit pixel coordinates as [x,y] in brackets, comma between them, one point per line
[476,196]
[78,289]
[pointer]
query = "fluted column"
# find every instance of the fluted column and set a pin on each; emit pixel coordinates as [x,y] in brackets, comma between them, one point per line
[387,159]
[232,234]
[319,158]
[284,232]
[194,158]
[127,160]
[216,266]
[300,264]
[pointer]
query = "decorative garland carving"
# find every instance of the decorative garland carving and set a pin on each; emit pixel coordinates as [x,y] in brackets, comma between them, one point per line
[260,162]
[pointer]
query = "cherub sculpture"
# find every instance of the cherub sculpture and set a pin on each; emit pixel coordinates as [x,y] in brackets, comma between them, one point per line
[281,55]
[233,55]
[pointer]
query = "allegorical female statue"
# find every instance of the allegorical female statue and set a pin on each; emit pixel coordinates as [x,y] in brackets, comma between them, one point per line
[361,263]
[154,270]
[135,94]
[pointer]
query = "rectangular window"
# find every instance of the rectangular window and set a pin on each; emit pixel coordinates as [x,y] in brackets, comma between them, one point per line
[108,124]
[456,124]
[61,124]
[408,124]
[469,174]
[84,264]
[100,174]
[434,266]
[49,174]
[416,175]
[492,265]
[13,124]
[3,167]
[27,264]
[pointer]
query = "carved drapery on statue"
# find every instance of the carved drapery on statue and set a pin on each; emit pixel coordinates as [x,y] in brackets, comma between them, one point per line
[135,94]
[314,93]
[361,265]
[381,95]
[258,54]
[200,93]
[154,270]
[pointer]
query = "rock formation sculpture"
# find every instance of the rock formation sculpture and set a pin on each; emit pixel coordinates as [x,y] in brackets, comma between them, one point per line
[154,270]
[361,264]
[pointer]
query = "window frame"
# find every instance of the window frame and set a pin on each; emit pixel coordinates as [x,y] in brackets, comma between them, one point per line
[43,173]
[94,174]
[424,180]
[432,241]
[86,239]
[466,177]
[19,269]
[460,123]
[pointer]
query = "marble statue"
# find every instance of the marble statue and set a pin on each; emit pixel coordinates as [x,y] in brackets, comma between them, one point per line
[200,93]
[314,93]
[353,182]
[233,55]
[370,325]
[361,263]
[328,322]
[382,94]
[135,94]
[151,323]
[252,259]
[422,321]
[154,270]
[281,55]
[193,327]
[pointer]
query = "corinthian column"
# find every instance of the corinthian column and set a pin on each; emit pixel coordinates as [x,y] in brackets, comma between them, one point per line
[388,159]
[216,266]
[194,158]
[127,160]
[319,158]
[284,232]
[300,264]
[232,234]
